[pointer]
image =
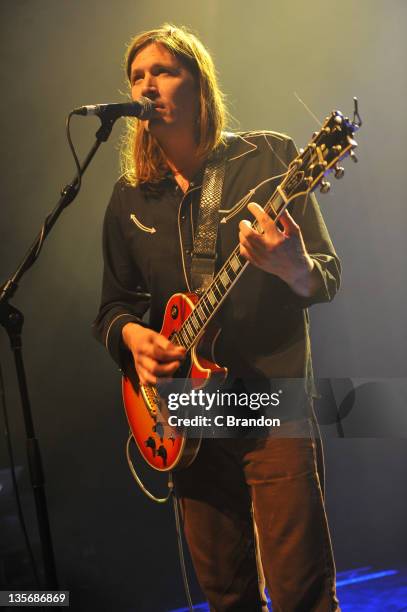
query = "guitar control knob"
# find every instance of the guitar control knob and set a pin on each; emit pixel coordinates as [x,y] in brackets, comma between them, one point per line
[150,443]
[161,452]
[325,187]
[353,157]
[339,172]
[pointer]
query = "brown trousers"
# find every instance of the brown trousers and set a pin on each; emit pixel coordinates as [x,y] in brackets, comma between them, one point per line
[275,481]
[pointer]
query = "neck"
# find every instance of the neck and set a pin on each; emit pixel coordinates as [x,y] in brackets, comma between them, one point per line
[181,155]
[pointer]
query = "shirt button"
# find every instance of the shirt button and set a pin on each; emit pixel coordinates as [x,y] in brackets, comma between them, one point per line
[188,251]
[182,217]
[192,184]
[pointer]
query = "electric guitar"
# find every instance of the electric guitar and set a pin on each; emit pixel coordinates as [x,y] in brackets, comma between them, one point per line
[188,317]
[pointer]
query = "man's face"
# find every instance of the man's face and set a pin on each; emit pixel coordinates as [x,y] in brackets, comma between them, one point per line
[160,76]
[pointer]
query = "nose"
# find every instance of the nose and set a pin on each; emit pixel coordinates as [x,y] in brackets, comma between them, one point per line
[149,87]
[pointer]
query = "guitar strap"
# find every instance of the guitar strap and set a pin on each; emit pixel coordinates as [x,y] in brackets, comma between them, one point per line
[206,234]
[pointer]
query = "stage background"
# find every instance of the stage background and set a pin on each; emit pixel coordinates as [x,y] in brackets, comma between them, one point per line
[114,548]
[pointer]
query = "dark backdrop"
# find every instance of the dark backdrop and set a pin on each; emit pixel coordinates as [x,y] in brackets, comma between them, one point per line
[114,548]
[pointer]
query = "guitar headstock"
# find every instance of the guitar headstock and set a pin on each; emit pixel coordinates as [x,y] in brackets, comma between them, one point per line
[330,145]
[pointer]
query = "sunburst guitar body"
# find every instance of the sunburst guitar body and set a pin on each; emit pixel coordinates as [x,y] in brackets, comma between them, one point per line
[167,448]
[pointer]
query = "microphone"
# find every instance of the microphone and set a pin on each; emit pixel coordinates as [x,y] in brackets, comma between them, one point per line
[143,109]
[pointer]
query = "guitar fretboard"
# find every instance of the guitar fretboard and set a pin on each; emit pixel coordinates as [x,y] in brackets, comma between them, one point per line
[205,309]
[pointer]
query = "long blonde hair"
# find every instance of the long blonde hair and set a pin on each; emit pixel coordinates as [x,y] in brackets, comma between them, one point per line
[142,159]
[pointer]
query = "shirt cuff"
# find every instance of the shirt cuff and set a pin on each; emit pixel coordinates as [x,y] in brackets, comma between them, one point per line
[114,339]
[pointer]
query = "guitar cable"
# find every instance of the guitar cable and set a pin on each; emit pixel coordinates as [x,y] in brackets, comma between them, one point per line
[158,500]
[177,515]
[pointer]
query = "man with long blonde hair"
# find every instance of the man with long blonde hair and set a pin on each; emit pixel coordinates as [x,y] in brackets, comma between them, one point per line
[143,160]
[149,232]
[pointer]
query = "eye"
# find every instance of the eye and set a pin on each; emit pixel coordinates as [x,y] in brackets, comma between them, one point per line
[164,70]
[135,78]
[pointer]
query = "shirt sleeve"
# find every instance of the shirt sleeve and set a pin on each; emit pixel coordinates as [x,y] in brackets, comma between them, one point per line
[124,298]
[307,214]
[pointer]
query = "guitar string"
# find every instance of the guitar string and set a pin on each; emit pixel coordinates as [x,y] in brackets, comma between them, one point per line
[217,286]
[310,154]
[188,343]
[234,254]
[308,109]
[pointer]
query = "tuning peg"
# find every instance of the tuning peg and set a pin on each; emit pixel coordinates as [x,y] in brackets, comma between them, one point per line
[325,187]
[353,157]
[339,172]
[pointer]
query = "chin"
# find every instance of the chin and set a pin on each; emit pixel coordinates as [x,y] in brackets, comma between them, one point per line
[153,124]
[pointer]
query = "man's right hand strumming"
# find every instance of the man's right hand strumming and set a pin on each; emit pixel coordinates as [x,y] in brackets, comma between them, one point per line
[155,357]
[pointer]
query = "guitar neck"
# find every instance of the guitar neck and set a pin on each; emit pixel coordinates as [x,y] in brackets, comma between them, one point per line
[332,143]
[209,303]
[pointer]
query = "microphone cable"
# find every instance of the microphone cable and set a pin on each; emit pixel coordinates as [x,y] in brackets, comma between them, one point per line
[20,512]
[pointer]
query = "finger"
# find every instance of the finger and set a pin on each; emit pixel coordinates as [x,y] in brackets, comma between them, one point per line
[249,255]
[145,377]
[158,369]
[167,346]
[263,219]
[252,244]
[246,227]
[166,356]
[250,236]
[288,223]
[155,351]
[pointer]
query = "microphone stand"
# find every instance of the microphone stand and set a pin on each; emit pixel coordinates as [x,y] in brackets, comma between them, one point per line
[12,320]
